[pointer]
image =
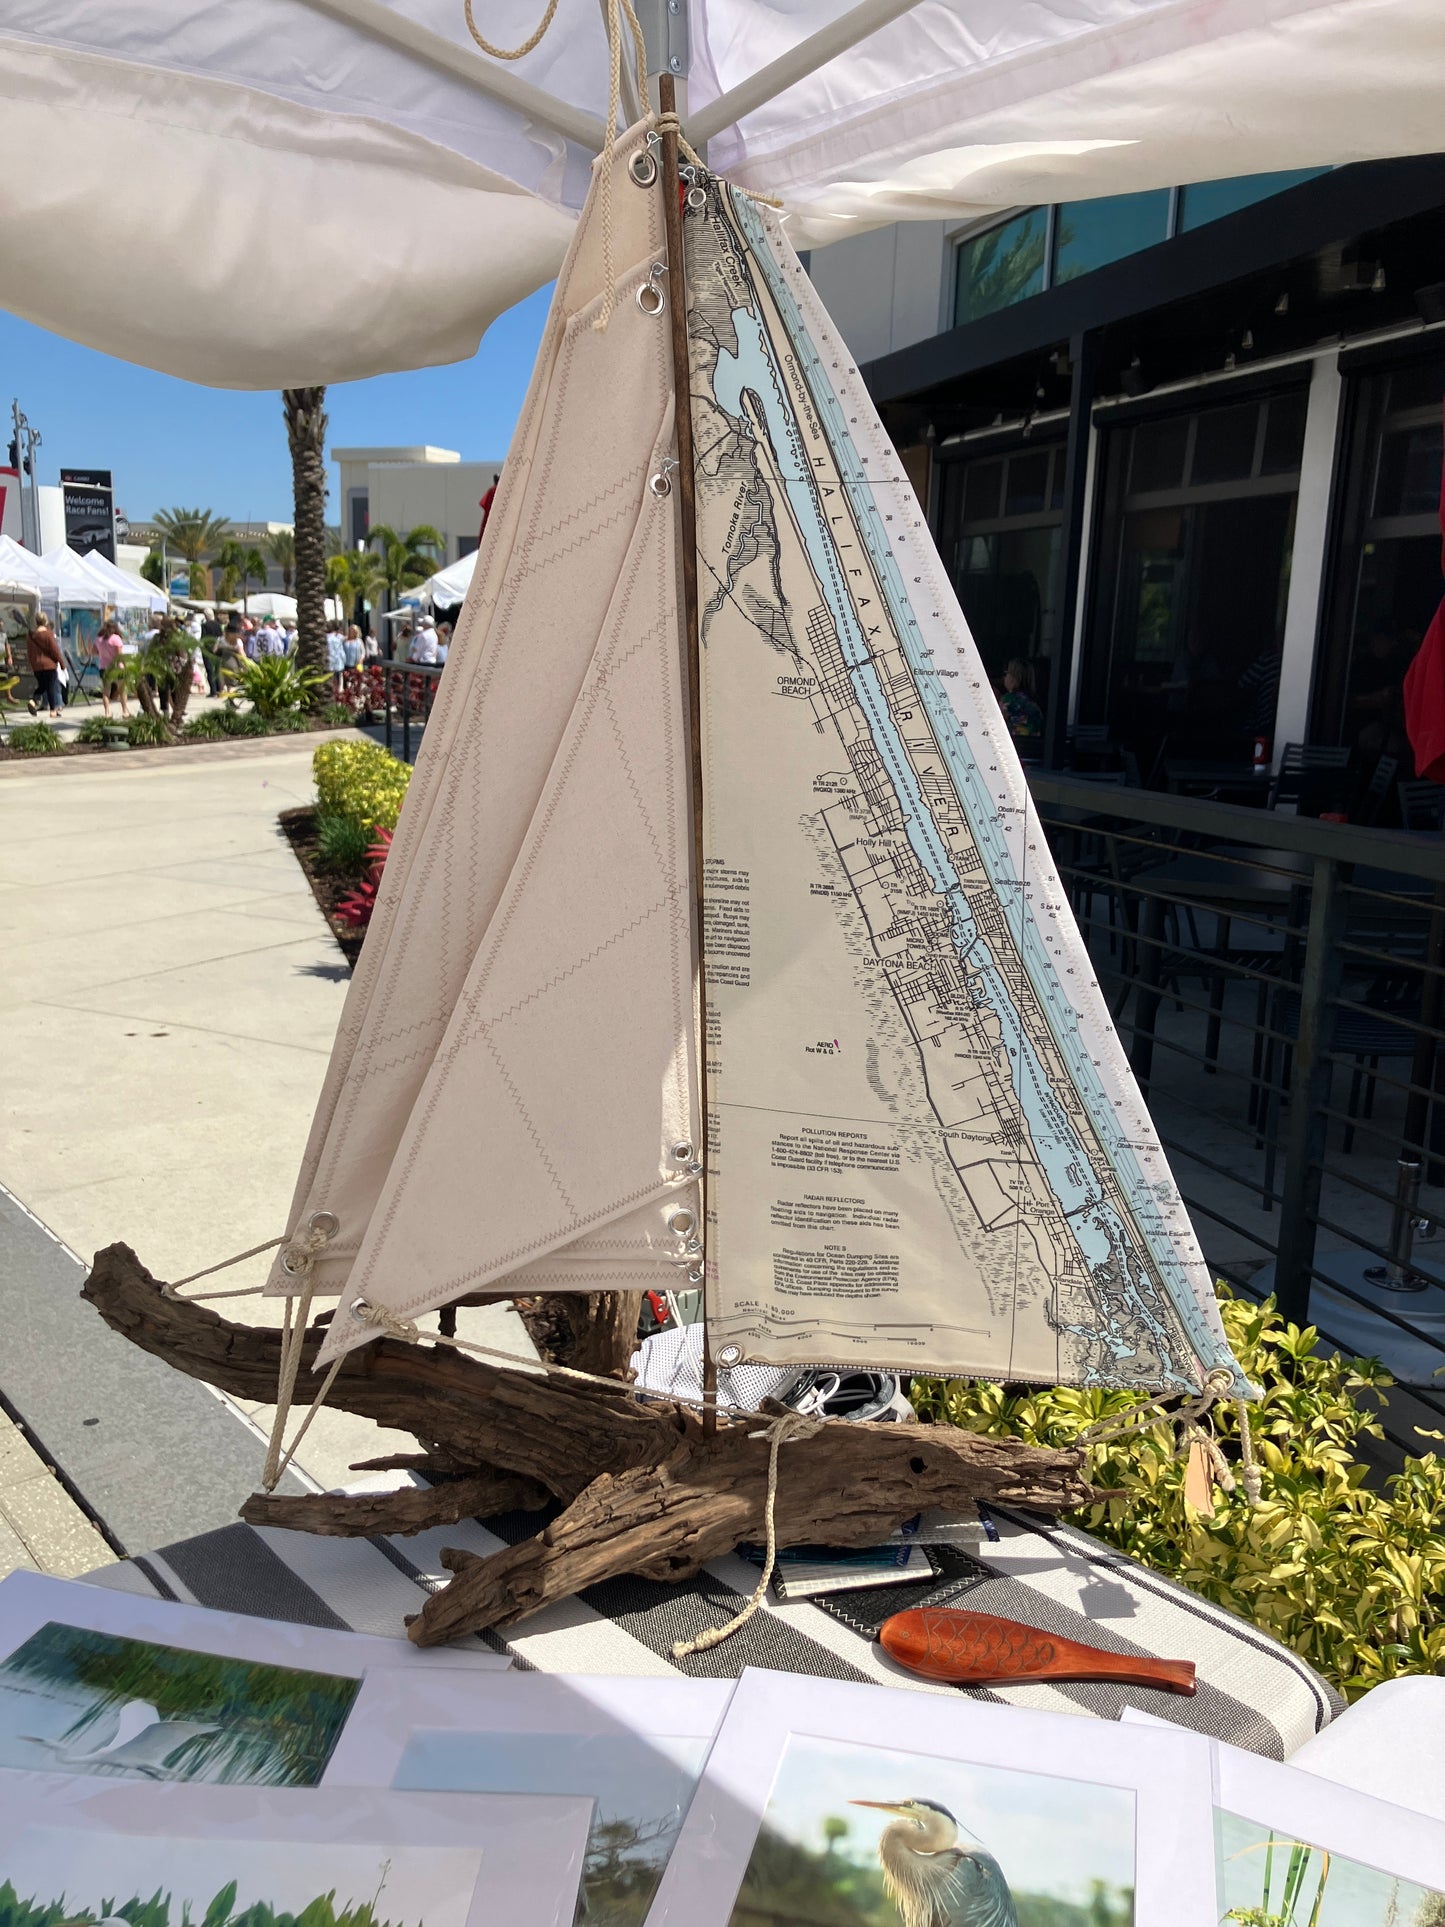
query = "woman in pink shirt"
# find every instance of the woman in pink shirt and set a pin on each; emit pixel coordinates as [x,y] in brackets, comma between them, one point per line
[108,651]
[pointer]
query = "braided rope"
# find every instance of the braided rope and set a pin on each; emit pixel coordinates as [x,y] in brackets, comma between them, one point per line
[511,53]
[791,1425]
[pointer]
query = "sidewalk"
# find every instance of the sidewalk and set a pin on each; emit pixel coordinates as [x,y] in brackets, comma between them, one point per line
[42,1529]
[168,997]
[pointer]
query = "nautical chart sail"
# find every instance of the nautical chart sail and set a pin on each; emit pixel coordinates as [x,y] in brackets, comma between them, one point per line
[927,1150]
[513,1075]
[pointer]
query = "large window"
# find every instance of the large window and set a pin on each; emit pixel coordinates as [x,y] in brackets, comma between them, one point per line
[999,527]
[1042,247]
[1387,582]
[1195,538]
[1003,265]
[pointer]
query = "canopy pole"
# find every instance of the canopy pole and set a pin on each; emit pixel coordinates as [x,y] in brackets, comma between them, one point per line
[691,657]
[795,65]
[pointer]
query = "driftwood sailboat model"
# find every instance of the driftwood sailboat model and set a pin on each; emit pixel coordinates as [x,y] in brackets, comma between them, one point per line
[719,945]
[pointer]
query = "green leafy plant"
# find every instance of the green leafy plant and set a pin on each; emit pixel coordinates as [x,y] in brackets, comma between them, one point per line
[360,780]
[147,732]
[275,685]
[1351,1579]
[337,715]
[92,730]
[342,844]
[209,727]
[291,721]
[34,739]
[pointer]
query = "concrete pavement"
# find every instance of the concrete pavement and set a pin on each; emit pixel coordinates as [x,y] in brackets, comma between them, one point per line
[170,992]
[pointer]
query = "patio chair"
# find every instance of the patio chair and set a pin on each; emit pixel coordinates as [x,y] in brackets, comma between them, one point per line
[1376,792]
[1422,804]
[1316,774]
[8,697]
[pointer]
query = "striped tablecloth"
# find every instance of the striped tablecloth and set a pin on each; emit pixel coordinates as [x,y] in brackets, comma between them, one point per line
[1252,1692]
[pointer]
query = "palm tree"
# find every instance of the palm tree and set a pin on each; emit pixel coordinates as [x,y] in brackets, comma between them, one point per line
[153,569]
[239,567]
[406,558]
[354,576]
[305,412]
[194,535]
[281,548]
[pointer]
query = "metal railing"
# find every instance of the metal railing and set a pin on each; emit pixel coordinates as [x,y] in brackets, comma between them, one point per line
[1279,985]
[408,692]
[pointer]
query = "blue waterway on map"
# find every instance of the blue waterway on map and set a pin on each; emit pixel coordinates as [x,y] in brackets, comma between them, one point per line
[1102,1235]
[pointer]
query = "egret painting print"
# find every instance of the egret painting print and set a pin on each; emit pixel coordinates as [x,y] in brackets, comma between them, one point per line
[76,1701]
[1267,1879]
[862,1836]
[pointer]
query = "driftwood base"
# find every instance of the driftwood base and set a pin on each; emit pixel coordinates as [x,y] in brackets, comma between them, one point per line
[643,1490]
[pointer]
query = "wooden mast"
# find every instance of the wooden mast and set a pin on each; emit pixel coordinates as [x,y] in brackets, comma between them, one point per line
[691,661]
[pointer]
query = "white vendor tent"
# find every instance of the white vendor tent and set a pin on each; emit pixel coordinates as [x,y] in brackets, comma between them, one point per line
[292,134]
[76,587]
[282,608]
[123,591]
[447,585]
[20,567]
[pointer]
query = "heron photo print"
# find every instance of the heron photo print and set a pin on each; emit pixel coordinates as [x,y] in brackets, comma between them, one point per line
[844,1805]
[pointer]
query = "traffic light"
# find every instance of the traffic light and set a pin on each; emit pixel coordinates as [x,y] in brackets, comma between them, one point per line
[13,453]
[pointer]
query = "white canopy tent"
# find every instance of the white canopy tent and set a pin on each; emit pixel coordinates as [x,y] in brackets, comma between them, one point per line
[327,128]
[270,602]
[76,587]
[123,591]
[19,566]
[447,585]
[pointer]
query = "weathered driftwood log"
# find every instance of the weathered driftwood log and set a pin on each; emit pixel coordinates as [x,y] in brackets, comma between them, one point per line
[645,1491]
[413,1508]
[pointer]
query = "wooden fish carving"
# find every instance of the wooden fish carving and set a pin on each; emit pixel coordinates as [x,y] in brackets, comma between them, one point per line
[976,1649]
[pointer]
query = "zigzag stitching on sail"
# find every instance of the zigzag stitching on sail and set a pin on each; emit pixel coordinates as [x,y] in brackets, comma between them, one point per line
[479,1026]
[506,1261]
[631,479]
[532,1132]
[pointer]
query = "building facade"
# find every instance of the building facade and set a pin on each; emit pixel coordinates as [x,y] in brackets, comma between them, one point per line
[408,488]
[1180,450]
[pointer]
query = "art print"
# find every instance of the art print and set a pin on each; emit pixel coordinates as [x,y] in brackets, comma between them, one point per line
[635,1747]
[82,1852]
[1294,1850]
[864,1806]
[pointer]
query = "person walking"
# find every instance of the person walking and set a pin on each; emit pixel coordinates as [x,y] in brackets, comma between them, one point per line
[109,648]
[42,652]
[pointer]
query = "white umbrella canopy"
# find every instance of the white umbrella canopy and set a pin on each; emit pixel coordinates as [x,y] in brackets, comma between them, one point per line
[372,190]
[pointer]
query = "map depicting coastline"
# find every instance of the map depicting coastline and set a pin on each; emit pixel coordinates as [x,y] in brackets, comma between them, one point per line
[929,1151]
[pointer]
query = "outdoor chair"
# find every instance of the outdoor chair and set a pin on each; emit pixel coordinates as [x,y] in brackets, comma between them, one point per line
[1376,792]
[8,697]
[1316,774]
[1422,804]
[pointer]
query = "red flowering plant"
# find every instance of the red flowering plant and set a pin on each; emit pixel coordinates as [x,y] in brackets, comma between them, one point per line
[356,909]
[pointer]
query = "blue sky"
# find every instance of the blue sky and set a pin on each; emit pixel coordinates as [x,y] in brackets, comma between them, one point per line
[170,442]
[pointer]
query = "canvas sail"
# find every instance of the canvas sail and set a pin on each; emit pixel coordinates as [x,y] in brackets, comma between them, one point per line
[531,923]
[927,1149]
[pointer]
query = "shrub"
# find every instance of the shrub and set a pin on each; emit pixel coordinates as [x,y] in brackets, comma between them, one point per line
[1351,1579]
[147,732]
[289,722]
[249,723]
[275,685]
[34,739]
[342,844]
[209,727]
[337,715]
[362,781]
[92,730]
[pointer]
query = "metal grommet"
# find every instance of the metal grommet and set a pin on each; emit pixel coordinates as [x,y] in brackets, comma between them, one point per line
[643,168]
[697,199]
[359,1308]
[682,1222]
[294,1271]
[650,298]
[660,486]
[325,1224]
[730,1355]
[681,1153]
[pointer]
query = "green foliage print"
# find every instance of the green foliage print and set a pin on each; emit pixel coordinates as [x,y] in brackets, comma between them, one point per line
[160,1911]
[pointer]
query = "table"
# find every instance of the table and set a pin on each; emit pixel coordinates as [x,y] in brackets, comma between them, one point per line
[1253,1692]
[1185,777]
